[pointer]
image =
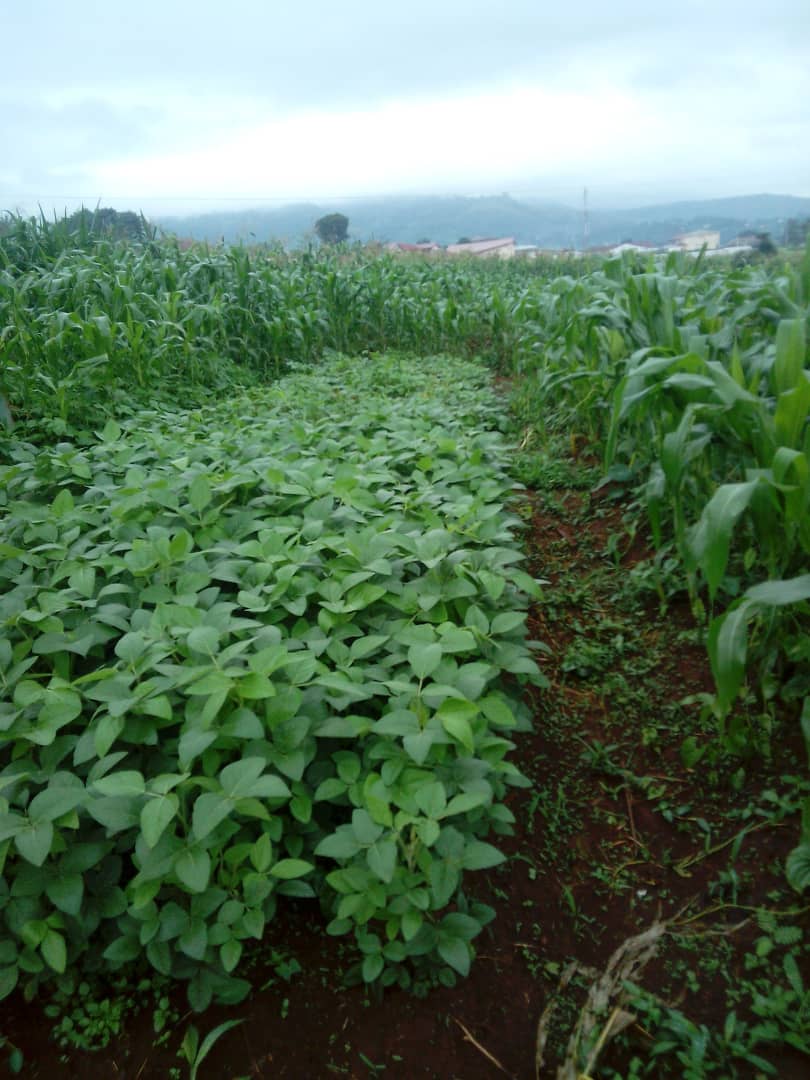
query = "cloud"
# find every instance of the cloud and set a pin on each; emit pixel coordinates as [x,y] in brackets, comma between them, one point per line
[315,98]
[322,54]
[403,145]
[48,139]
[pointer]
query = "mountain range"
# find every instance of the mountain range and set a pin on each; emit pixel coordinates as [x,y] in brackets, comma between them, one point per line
[447,219]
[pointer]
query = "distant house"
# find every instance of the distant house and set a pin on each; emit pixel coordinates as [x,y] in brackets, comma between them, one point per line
[617,249]
[733,249]
[427,247]
[503,248]
[695,241]
[533,251]
[632,245]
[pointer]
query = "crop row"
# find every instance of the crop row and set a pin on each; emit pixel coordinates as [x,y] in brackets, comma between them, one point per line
[263,649]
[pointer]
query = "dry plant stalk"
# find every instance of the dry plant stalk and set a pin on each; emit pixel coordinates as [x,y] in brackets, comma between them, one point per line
[468,1035]
[544,1024]
[605,998]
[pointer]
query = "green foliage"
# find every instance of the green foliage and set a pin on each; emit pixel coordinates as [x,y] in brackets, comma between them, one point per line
[712,423]
[694,379]
[797,231]
[691,376]
[85,1021]
[332,228]
[259,650]
[104,221]
[92,328]
[196,1052]
[798,861]
[772,994]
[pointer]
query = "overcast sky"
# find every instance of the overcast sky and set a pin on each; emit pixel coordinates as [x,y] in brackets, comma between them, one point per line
[176,106]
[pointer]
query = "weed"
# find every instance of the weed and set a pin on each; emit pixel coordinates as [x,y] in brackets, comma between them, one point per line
[195,1052]
[15,1060]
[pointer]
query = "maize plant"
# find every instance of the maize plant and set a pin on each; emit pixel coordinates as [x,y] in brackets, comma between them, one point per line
[690,375]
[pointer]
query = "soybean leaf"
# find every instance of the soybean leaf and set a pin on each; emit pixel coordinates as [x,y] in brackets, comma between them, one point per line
[210,809]
[125,783]
[365,829]
[8,980]
[398,722]
[444,880]
[340,845]
[34,842]
[193,868]
[54,802]
[54,951]
[230,953]
[237,778]
[454,952]
[419,746]
[464,802]
[291,868]
[424,659]
[66,893]
[199,494]
[373,965]
[458,726]
[431,799]
[481,856]
[204,639]
[382,859]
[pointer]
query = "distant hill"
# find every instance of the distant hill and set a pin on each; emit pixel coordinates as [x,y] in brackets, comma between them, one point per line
[445,219]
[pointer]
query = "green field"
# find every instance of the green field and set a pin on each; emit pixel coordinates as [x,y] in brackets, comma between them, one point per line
[264,602]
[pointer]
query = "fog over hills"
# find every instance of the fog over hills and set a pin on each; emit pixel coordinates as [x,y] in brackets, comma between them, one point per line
[446,219]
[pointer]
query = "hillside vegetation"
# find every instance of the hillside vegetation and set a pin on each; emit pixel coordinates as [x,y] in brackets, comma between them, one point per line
[531,221]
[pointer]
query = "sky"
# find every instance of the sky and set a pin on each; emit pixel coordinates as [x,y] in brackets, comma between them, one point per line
[177,107]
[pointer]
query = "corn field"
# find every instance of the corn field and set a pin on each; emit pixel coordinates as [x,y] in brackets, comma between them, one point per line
[689,378]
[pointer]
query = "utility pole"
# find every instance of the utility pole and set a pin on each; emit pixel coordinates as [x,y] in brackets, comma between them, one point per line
[586,221]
